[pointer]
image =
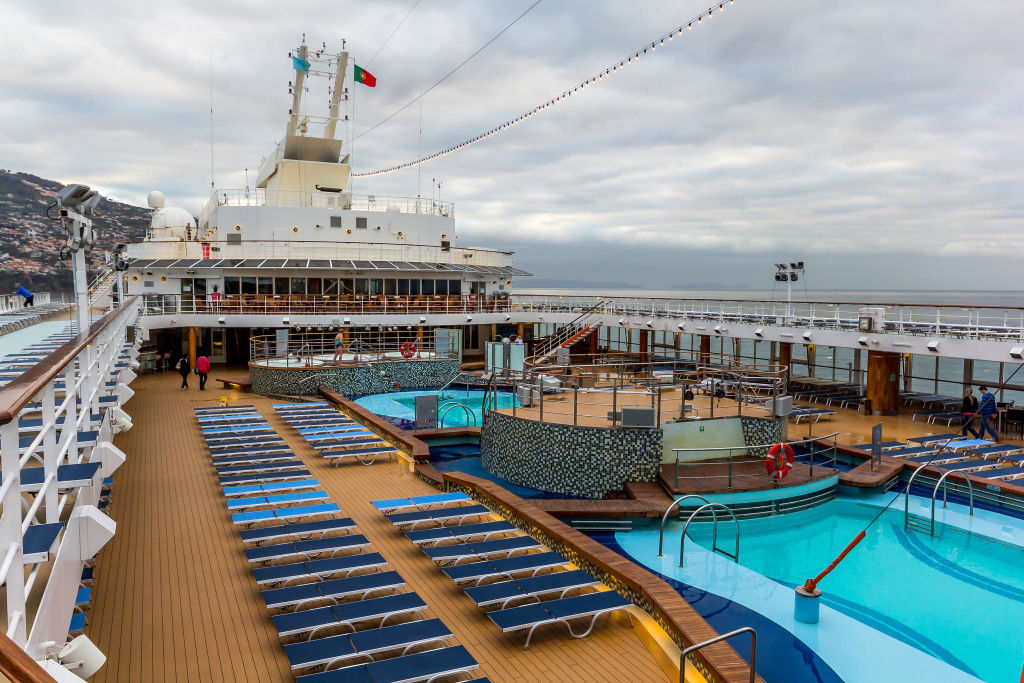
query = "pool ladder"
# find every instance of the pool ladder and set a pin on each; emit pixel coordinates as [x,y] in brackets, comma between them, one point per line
[918,524]
[448,408]
[711,507]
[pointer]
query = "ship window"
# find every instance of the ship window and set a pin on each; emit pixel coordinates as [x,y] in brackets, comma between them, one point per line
[298,285]
[234,238]
[414,287]
[248,285]
[390,286]
[280,285]
[315,287]
[440,286]
[232,285]
[360,222]
[331,286]
[148,283]
[403,287]
[335,221]
[362,286]
[376,285]
[346,286]
[265,285]
[454,287]
[427,286]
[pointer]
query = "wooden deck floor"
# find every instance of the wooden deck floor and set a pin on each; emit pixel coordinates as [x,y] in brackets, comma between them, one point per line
[174,599]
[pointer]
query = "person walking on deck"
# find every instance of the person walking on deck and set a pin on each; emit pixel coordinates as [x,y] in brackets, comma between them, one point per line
[183,369]
[30,298]
[203,369]
[339,339]
[986,409]
[968,413]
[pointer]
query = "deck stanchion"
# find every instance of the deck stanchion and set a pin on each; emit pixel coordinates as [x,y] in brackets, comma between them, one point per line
[540,401]
[575,406]
[614,404]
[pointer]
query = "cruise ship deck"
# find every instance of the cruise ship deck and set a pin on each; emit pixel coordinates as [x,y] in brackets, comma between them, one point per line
[176,580]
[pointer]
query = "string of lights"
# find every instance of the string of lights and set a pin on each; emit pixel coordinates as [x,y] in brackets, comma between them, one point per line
[565,94]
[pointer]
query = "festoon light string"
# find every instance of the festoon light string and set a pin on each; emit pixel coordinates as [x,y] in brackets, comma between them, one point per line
[608,71]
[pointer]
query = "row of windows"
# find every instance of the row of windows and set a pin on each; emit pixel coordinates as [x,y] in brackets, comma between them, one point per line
[316,286]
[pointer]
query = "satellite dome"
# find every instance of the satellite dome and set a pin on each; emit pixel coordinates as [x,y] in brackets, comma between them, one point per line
[173,222]
[156,199]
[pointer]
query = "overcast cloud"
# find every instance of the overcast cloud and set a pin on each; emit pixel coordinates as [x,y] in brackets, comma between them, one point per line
[880,142]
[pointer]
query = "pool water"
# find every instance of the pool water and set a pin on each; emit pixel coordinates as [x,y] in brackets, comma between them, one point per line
[402,405]
[958,597]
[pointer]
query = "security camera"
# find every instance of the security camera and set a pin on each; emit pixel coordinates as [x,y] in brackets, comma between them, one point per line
[73,196]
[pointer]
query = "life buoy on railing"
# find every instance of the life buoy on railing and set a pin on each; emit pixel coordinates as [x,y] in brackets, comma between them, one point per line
[779,460]
[408,349]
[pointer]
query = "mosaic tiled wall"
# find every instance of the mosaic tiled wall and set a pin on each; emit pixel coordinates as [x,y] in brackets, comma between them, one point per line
[761,430]
[354,381]
[578,461]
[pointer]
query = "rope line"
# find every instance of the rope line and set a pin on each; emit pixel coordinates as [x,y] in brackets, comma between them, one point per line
[600,75]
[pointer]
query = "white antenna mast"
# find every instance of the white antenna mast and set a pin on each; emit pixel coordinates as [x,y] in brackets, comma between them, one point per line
[212,185]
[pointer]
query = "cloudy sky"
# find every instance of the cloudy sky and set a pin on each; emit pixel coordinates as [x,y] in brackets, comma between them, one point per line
[881,142]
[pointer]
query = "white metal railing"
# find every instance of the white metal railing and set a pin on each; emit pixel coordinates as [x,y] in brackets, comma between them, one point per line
[348,347]
[333,200]
[66,396]
[14,303]
[259,250]
[977,322]
[285,305]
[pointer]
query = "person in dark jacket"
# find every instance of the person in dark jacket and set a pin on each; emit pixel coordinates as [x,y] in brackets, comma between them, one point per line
[986,409]
[184,368]
[968,413]
[30,299]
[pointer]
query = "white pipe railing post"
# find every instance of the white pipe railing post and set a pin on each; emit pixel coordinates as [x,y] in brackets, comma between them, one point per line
[50,461]
[10,533]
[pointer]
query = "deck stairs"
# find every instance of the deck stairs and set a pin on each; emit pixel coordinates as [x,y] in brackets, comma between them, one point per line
[100,288]
[576,331]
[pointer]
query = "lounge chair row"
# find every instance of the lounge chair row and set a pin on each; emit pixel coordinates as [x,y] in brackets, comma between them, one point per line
[953,451]
[317,575]
[334,436]
[495,575]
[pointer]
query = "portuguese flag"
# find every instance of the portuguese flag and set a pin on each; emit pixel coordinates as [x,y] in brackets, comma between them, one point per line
[361,75]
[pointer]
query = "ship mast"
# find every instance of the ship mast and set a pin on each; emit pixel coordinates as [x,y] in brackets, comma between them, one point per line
[300,77]
[336,93]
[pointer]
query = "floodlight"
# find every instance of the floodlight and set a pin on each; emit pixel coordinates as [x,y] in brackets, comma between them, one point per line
[793,277]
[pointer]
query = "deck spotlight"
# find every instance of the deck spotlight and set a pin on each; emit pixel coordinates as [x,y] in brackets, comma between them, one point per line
[650,323]
[469,318]
[863,341]
[622,321]
[719,329]
[759,332]
[221,320]
[284,321]
[681,326]
[423,319]
[807,335]
[507,317]
[1017,352]
[346,321]
[173,321]
[933,345]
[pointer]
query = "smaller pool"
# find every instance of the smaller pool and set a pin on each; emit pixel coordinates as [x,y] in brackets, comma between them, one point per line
[401,405]
[322,359]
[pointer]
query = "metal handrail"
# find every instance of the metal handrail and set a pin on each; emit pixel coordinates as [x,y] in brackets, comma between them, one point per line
[714,532]
[725,636]
[941,482]
[664,517]
[454,404]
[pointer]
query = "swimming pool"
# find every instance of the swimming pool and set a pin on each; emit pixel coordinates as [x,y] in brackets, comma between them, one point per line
[402,405]
[916,607]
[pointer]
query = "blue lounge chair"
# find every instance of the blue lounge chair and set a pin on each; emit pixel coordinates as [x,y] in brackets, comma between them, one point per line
[281,514]
[418,502]
[885,445]
[914,450]
[261,468]
[532,588]
[283,499]
[318,569]
[219,455]
[270,487]
[440,515]
[77,623]
[307,549]
[39,540]
[502,547]
[1000,451]
[291,406]
[421,666]
[327,652]
[459,533]
[937,439]
[970,444]
[365,456]
[1002,473]
[970,465]
[68,476]
[506,568]
[294,597]
[253,459]
[376,609]
[298,530]
[262,475]
[532,617]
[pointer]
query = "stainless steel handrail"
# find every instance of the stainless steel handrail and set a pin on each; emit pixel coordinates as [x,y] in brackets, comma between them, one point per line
[664,517]
[714,532]
[935,492]
[454,404]
[718,639]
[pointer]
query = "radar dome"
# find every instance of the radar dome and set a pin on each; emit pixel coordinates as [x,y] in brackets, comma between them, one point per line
[173,222]
[156,200]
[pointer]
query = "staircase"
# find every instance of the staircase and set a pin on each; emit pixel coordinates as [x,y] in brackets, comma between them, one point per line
[101,286]
[577,330]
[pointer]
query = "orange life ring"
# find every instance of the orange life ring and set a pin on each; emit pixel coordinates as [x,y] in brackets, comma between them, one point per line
[408,349]
[779,460]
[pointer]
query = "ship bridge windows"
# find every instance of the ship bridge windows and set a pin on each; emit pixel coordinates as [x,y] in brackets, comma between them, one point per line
[298,285]
[280,285]
[264,285]
[248,285]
